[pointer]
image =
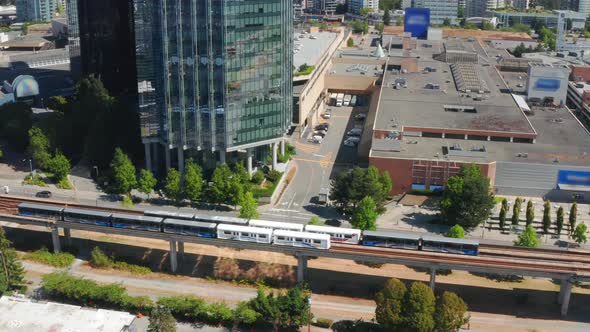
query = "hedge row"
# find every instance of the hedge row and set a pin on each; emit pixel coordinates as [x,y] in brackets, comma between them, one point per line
[63,259]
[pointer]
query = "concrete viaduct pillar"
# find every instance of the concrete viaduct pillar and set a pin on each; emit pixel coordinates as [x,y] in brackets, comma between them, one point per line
[565,291]
[432,278]
[181,251]
[173,258]
[249,163]
[301,268]
[67,237]
[55,240]
[274,156]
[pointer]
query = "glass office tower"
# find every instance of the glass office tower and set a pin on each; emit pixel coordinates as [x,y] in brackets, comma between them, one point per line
[213,75]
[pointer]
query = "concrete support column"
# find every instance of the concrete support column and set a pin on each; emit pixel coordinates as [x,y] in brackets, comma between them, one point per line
[222,157]
[432,278]
[55,240]
[466,136]
[301,268]
[173,261]
[566,290]
[148,156]
[181,250]
[511,139]
[489,138]
[274,156]
[180,160]
[534,140]
[443,135]
[167,153]
[249,163]
[67,237]
[283,147]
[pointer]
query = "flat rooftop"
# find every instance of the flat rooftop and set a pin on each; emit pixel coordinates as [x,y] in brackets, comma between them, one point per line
[311,50]
[560,137]
[419,106]
[24,315]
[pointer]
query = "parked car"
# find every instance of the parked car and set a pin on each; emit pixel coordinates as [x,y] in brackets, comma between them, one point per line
[317,139]
[354,132]
[323,126]
[327,114]
[353,101]
[361,116]
[44,194]
[321,133]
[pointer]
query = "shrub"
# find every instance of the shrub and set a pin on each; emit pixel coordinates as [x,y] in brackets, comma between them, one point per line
[136,269]
[323,322]
[258,177]
[63,259]
[100,259]
[34,181]
[136,303]
[183,307]
[217,313]
[273,176]
[127,202]
[64,184]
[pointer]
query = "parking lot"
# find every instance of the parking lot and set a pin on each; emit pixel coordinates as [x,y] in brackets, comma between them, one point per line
[320,156]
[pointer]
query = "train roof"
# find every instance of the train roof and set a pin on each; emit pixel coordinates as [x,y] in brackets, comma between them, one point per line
[136,217]
[240,228]
[397,235]
[41,207]
[450,240]
[331,229]
[160,213]
[182,222]
[88,212]
[185,215]
[276,224]
[222,219]
[305,235]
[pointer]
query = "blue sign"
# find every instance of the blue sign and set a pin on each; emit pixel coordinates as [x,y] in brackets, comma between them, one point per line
[573,178]
[547,84]
[417,21]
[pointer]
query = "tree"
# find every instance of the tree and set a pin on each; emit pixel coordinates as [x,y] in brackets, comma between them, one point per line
[236,193]
[57,103]
[461,11]
[573,216]
[314,221]
[123,173]
[365,11]
[161,320]
[386,17]
[446,22]
[530,213]
[546,217]
[379,27]
[350,187]
[349,42]
[220,185]
[38,148]
[528,238]
[172,185]
[419,308]
[365,215]
[244,314]
[579,234]
[59,165]
[389,304]
[282,311]
[451,313]
[456,232]
[1,153]
[59,9]
[516,211]
[11,270]
[559,220]
[249,207]
[386,184]
[193,180]
[503,212]
[147,182]
[467,199]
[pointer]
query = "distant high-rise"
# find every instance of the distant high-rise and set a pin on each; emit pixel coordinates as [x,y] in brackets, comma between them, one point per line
[478,8]
[214,77]
[327,7]
[36,10]
[355,6]
[584,7]
[439,9]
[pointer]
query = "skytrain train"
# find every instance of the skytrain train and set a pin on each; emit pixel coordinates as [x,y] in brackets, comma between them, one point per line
[258,231]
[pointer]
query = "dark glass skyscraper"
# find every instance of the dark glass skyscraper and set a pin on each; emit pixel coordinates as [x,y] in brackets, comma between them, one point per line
[213,75]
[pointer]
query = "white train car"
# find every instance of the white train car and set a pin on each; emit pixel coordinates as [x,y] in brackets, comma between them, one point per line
[301,239]
[223,220]
[337,234]
[275,225]
[244,233]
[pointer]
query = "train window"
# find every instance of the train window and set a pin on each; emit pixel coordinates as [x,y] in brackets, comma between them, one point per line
[227,232]
[282,238]
[298,240]
[262,236]
[317,241]
[348,236]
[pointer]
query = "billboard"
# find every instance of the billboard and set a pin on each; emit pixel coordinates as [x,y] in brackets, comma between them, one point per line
[417,21]
[547,84]
[573,180]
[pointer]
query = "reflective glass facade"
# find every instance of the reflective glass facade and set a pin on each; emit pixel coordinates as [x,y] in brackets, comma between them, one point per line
[213,74]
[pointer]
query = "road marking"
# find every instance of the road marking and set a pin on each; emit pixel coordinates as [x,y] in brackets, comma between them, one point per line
[286,216]
[284,210]
[319,155]
[315,161]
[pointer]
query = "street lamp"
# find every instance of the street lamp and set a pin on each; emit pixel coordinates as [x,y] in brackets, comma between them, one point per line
[30,164]
[309,314]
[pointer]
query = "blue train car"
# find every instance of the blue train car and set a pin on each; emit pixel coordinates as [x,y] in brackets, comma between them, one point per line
[132,221]
[40,211]
[187,227]
[449,245]
[391,240]
[91,217]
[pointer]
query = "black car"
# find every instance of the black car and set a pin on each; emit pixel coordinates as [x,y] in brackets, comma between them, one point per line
[44,194]
[323,126]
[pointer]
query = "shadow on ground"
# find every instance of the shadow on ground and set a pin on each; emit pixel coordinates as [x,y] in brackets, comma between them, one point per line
[520,302]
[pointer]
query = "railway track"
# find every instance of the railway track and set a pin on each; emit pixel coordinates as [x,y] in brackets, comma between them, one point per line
[8,205]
